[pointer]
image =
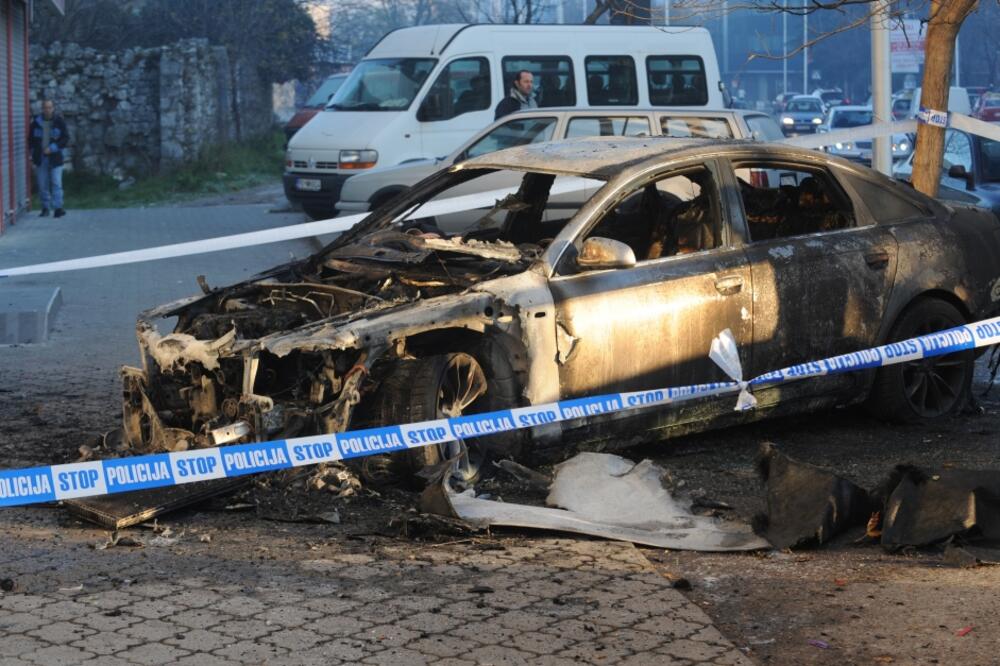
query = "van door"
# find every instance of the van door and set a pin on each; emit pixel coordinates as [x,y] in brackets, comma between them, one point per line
[457,105]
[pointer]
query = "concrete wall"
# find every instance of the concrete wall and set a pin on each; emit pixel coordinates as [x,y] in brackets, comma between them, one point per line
[143,111]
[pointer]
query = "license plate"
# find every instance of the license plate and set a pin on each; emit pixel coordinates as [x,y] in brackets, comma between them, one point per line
[802,127]
[308,184]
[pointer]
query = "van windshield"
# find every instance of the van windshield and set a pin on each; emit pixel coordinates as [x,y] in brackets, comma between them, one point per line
[382,84]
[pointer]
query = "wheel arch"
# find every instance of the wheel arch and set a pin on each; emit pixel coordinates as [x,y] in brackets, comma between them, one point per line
[926,295]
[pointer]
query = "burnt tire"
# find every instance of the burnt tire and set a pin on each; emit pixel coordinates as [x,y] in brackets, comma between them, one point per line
[928,388]
[418,390]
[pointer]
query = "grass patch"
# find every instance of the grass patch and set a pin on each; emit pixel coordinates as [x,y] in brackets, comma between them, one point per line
[227,168]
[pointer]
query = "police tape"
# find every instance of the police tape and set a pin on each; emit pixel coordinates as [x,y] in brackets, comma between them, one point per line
[88,479]
[853,134]
[335,225]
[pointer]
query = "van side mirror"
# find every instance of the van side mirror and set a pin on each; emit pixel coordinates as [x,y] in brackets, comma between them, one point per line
[958,171]
[602,253]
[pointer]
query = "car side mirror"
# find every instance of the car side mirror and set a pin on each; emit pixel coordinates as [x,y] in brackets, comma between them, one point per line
[958,171]
[602,253]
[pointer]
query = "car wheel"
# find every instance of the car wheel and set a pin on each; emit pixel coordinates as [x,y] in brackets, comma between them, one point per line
[318,212]
[926,388]
[447,385]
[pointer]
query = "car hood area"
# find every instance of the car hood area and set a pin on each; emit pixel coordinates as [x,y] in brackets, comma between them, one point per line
[285,353]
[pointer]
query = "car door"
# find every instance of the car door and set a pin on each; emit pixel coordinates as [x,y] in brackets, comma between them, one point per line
[651,325]
[822,270]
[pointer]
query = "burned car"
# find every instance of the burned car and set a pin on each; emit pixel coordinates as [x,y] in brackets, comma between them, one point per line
[609,267]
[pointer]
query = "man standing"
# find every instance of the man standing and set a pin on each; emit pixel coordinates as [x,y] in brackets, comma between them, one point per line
[519,97]
[47,139]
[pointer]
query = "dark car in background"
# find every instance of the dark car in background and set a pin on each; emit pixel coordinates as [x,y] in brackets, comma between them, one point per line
[987,107]
[316,102]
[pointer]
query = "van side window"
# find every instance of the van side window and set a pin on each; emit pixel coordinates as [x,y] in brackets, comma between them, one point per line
[553,78]
[676,80]
[462,86]
[611,81]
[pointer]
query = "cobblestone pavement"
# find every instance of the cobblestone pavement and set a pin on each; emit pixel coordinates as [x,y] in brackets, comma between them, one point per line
[310,601]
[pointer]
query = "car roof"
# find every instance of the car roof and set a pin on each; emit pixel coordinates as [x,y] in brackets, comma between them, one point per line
[606,157]
[626,110]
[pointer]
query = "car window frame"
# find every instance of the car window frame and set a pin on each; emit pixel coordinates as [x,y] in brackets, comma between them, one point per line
[625,115]
[427,95]
[862,217]
[557,124]
[608,199]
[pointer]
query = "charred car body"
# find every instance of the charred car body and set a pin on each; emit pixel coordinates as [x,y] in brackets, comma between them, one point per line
[610,268]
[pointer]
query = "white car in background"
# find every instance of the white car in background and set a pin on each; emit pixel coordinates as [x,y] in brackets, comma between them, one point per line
[369,190]
[860,150]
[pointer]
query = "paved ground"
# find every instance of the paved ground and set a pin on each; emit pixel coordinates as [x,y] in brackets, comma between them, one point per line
[235,589]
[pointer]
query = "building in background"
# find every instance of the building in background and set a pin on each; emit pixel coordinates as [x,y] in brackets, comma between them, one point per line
[15,171]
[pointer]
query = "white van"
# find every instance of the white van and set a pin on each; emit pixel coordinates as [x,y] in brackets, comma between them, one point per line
[420,92]
[905,106]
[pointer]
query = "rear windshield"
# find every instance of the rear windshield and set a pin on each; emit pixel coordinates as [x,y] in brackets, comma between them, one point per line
[803,105]
[382,84]
[851,118]
[676,81]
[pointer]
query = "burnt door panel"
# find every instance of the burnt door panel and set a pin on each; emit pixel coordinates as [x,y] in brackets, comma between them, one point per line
[650,326]
[818,296]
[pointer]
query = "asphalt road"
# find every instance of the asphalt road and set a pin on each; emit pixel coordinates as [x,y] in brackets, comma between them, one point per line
[845,603]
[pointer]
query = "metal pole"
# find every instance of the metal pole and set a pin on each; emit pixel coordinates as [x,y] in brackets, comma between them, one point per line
[725,40]
[560,15]
[881,85]
[958,63]
[784,47]
[805,50]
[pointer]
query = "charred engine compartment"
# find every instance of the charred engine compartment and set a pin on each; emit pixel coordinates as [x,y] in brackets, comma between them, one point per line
[210,382]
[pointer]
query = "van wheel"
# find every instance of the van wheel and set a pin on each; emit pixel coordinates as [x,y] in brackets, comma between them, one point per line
[925,388]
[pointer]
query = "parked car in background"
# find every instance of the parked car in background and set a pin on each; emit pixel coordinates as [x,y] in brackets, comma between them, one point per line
[399,321]
[988,107]
[316,102]
[859,150]
[803,114]
[781,100]
[831,96]
[970,172]
[906,104]
[422,91]
[975,92]
[369,190]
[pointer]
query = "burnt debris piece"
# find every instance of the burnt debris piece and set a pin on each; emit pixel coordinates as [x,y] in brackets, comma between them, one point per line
[806,505]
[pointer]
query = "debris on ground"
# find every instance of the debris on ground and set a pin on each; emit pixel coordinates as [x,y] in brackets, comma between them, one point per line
[7,585]
[806,505]
[607,496]
[525,475]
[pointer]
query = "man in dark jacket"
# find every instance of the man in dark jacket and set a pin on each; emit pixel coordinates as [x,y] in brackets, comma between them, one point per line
[519,97]
[47,139]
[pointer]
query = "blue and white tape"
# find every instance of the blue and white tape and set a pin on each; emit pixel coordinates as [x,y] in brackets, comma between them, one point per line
[88,479]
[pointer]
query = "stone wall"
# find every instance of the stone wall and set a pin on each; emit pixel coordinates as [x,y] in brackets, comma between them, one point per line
[144,111]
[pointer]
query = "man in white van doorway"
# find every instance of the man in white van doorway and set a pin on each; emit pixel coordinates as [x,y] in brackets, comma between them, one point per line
[520,96]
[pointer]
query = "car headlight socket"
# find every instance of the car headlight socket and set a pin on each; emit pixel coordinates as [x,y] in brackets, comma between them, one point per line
[787,121]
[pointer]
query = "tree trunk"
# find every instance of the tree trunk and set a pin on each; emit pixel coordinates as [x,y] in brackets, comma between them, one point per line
[946,18]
